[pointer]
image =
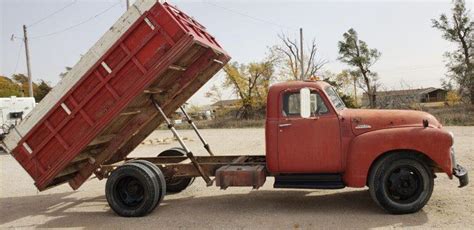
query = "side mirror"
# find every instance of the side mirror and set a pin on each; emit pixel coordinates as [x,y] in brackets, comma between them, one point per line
[305,103]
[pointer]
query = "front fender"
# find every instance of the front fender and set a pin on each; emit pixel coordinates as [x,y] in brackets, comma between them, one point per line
[366,148]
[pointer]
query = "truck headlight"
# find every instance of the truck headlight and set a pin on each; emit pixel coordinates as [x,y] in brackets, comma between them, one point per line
[453,158]
[452,136]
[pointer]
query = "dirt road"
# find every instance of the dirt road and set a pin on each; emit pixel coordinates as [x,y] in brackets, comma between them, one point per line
[198,207]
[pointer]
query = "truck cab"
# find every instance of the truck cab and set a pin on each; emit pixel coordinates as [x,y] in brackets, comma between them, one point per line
[314,141]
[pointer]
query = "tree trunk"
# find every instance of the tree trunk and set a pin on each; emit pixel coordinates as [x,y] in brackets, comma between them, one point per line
[371,97]
[245,112]
[472,93]
[374,101]
[374,96]
[370,90]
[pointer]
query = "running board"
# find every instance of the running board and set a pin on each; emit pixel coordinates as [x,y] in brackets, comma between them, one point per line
[309,181]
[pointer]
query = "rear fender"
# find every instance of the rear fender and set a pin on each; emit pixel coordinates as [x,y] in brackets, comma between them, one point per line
[366,148]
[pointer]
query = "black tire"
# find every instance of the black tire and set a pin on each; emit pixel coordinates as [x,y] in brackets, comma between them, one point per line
[132,190]
[401,183]
[176,185]
[158,174]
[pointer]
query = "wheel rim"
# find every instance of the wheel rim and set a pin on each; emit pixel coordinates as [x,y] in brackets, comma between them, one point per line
[404,184]
[174,181]
[130,192]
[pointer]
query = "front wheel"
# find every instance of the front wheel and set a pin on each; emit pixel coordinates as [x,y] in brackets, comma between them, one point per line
[401,183]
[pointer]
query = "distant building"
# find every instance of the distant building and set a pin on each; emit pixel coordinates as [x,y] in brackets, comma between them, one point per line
[226,108]
[195,112]
[401,98]
[233,103]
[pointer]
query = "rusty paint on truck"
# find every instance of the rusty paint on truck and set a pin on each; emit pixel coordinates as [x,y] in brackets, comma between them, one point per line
[108,111]
[346,141]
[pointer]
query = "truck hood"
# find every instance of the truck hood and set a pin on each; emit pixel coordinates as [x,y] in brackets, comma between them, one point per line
[366,120]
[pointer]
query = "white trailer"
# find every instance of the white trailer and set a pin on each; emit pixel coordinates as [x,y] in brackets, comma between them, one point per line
[13,110]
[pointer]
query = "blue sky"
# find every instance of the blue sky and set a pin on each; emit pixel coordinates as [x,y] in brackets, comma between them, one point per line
[412,51]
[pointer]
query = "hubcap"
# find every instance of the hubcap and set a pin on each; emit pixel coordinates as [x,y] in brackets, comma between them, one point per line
[130,191]
[404,184]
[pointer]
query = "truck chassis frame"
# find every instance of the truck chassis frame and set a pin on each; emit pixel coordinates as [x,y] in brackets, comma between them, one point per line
[189,165]
[180,166]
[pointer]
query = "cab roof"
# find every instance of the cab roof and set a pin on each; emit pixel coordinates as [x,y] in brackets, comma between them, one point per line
[299,84]
[275,89]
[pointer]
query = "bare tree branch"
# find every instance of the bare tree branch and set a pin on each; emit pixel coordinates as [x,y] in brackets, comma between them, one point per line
[291,54]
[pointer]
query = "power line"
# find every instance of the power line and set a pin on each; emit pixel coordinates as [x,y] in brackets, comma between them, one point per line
[78,24]
[50,15]
[250,16]
[18,57]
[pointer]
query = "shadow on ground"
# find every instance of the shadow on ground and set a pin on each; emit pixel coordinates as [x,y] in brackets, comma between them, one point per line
[272,208]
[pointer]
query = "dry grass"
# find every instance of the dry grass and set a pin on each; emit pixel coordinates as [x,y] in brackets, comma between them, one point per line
[231,123]
[221,123]
[454,115]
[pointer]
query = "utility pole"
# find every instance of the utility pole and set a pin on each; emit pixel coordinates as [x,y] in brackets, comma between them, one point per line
[28,68]
[301,52]
[128,3]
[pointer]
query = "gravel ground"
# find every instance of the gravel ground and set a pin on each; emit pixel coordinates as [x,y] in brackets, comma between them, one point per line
[198,207]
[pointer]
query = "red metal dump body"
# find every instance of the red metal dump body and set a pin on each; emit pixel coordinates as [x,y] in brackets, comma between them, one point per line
[107,113]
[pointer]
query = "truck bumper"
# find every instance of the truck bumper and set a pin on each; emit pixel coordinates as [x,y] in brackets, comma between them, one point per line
[461,173]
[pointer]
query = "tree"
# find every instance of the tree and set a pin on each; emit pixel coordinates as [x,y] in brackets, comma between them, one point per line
[41,91]
[22,80]
[452,98]
[356,53]
[214,94]
[250,83]
[459,29]
[288,55]
[18,86]
[9,88]
[341,83]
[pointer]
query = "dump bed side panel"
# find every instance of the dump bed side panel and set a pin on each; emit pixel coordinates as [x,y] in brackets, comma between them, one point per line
[78,70]
[164,54]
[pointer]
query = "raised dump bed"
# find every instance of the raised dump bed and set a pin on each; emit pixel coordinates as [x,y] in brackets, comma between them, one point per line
[102,109]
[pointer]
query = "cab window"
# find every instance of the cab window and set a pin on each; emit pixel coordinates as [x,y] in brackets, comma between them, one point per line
[291,104]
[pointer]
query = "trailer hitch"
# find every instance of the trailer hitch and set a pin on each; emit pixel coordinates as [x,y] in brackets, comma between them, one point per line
[189,154]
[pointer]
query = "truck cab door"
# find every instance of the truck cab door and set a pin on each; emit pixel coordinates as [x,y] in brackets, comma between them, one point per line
[308,145]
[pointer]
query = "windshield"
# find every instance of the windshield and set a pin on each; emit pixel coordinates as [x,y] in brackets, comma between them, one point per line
[334,97]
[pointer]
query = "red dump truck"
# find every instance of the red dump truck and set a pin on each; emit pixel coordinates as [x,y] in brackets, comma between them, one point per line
[150,62]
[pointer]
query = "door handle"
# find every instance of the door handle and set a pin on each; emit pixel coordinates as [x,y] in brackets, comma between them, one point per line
[284,125]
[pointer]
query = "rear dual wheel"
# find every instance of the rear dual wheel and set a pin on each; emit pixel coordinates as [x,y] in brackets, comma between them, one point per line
[135,188]
[176,185]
